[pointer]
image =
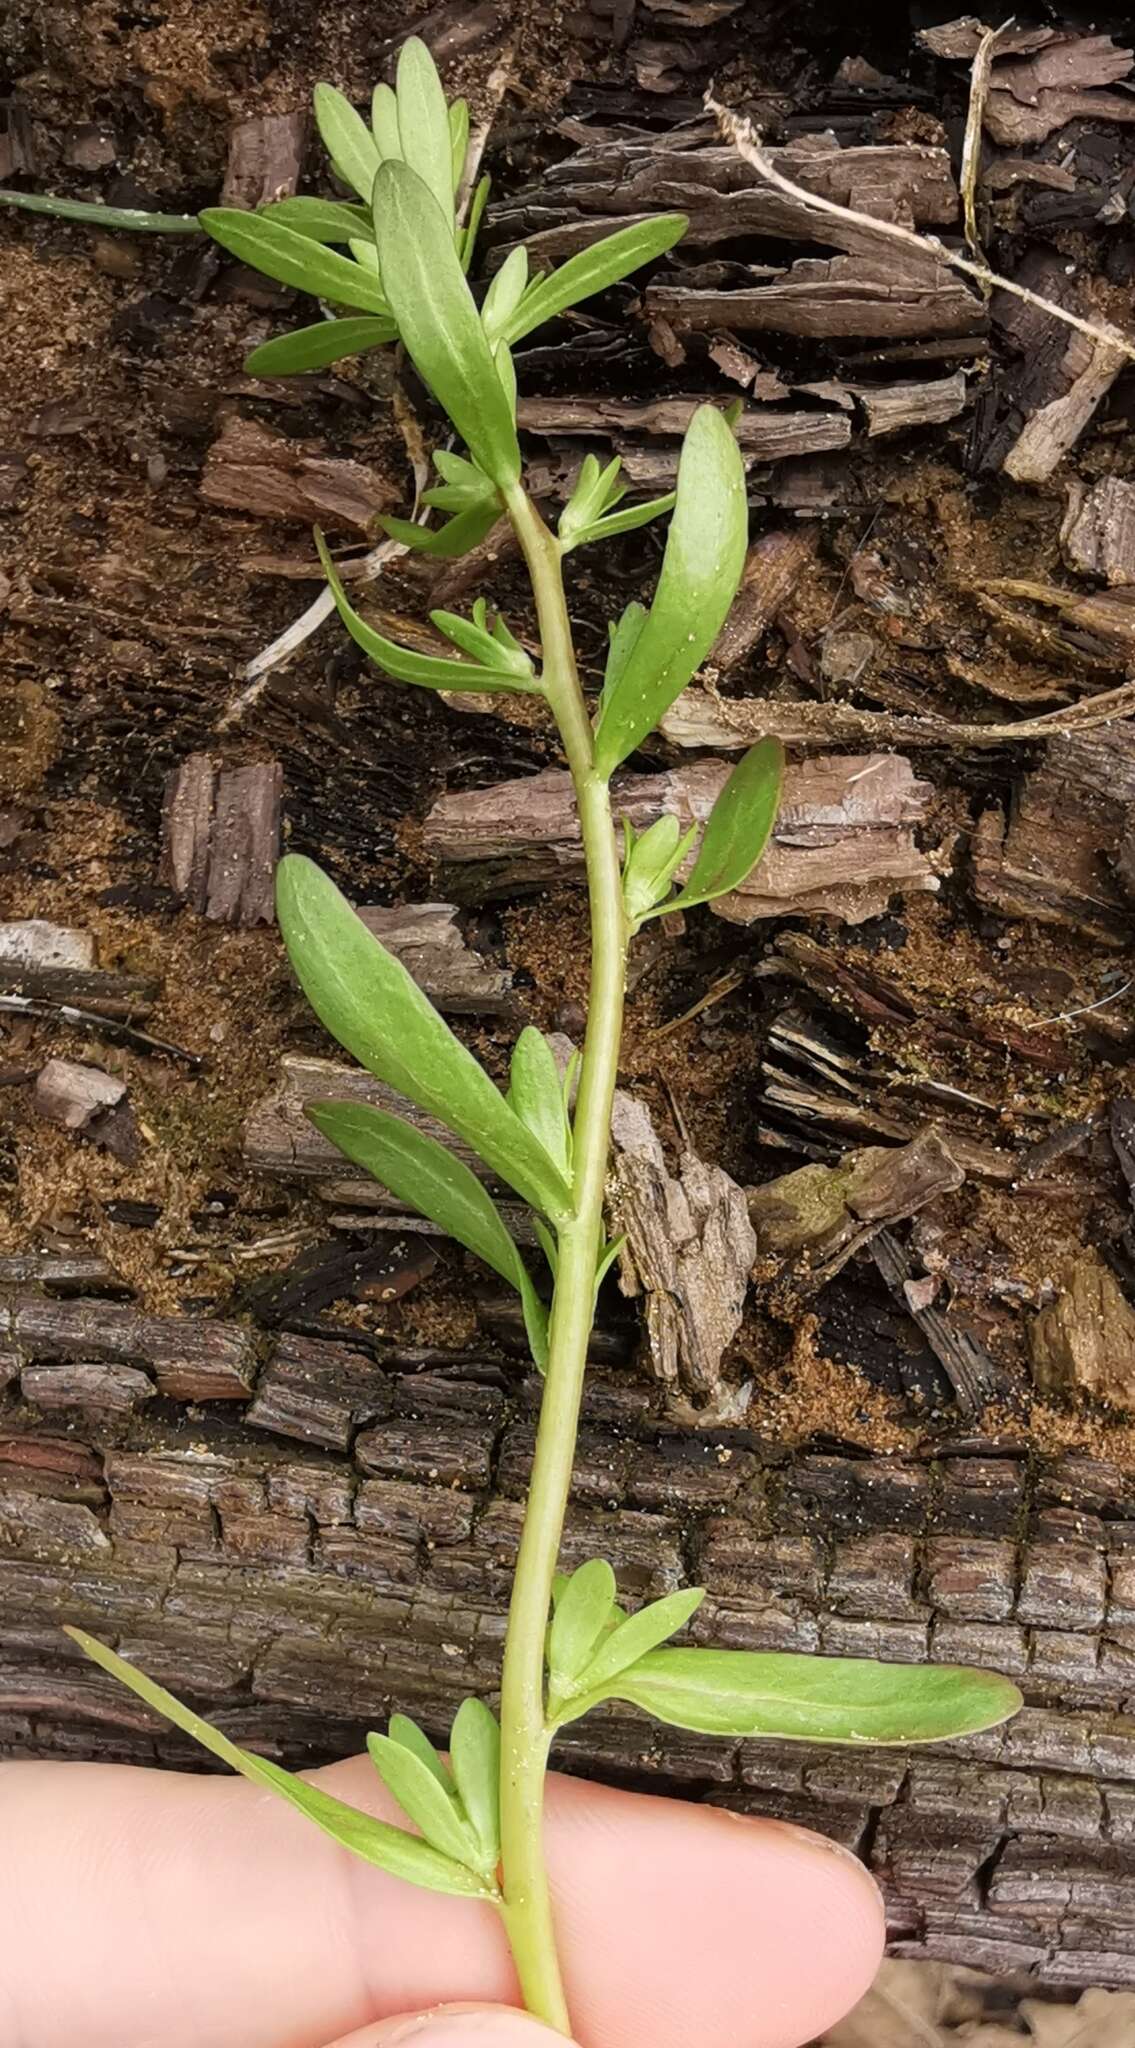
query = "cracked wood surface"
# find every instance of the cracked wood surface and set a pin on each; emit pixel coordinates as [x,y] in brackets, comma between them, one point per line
[338,1539]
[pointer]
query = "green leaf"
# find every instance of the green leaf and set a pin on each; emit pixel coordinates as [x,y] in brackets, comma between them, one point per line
[636,1636]
[438,319]
[456,537]
[535,1091]
[625,521]
[479,644]
[390,1849]
[401,1729]
[582,1613]
[459,139]
[384,123]
[607,1259]
[364,252]
[467,236]
[321,220]
[347,140]
[428,671]
[624,639]
[738,827]
[505,292]
[312,348]
[428,1804]
[651,864]
[701,569]
[475,1756]
[368,1001]
[816,1699]
[423,123]
[593,269]
[293,259]
[547,1242]
[134,218]
[429,1178]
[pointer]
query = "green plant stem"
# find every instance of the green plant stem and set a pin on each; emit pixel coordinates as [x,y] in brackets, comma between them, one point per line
[524,1734]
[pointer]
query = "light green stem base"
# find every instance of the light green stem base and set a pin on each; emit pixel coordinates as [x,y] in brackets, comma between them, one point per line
[525,1739]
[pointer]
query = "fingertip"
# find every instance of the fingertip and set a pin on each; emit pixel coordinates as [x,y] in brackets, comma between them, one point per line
[456,2026]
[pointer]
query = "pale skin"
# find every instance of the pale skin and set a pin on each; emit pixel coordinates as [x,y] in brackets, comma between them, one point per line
[146,1909]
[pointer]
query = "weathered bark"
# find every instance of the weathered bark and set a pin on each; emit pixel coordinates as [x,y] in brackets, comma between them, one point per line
[347,1548]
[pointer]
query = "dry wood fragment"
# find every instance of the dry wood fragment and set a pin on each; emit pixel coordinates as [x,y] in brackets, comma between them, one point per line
[688,1253]
[73,1095]
[826,298]
[976,1378]
[1054,858]
[762,434]
[34,942]
[221,837]
[702,718]
[94,990]
[253,470]
[842,846]
[1085,1343]
[773,566]
[1044,78]
[431,946]
[829,1212]
[913,403]
[265,159]
[1045,439]
[1098,534]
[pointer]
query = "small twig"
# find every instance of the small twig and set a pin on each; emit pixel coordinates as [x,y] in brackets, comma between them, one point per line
[716,993]
[106,1027]
[745,140]
[971,146]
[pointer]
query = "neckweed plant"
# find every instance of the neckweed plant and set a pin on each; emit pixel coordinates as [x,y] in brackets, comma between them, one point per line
[476,1818]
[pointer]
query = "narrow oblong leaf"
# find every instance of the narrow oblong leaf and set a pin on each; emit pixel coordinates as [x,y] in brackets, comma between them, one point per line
[535,1091]
[635,1637]
[384,123]
[593,269]
[494,651]
[475,1757]
[429,1178]
[505,292]
[423,123]
[438,319]
[294,259]
[816,1699]
[428,671]
[401,1729]
[582,1613]
[368,1001]
[428,1804]
[626,521]
[467,236]
[701,569]
[312,348]
[458,140]
[390,1849]
[321,220]
[347,139]
[624,638]
[650,862]
[455,538]
[136,218]
[738,827]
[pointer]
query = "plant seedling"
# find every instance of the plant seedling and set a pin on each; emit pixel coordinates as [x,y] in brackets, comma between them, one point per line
[393,260]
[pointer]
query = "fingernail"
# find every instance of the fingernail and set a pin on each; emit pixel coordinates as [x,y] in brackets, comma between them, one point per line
[471,2027]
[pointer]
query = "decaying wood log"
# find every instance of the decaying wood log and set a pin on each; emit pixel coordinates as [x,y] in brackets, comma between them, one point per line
[221,838]
[1055,858]
[688,1254]
[843,843]
[253,470]
[189,1358]
[348,1548]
